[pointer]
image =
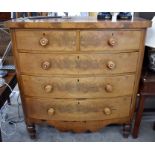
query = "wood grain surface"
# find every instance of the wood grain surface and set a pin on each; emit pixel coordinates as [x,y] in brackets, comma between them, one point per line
[75,64]
[100,40]
[78,109]
[78,23]
[57,40]
[78,74]
[77,87]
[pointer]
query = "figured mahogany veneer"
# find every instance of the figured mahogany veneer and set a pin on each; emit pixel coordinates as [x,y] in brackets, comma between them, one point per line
[45,39]
[94,63]
[78,74]
[77,87]
[78,109]
[109,40]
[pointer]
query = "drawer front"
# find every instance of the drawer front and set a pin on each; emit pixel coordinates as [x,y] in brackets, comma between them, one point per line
[46,40]
[78,110]
[109,40]
[77,63]
[82,87]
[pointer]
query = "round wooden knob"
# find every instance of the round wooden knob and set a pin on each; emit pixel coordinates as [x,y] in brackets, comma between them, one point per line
[107,111]
[46,65]
[108,88]
[51,111]
[111,65]
[43,41]
[112,41]
[48,88]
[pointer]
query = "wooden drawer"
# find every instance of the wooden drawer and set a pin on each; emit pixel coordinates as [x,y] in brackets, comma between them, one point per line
[77,63]
[74,87]
[52,40]
[109,40]
[78,110]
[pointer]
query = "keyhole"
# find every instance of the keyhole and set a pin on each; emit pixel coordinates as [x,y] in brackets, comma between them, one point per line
[78,80]
[43,34]
[112,34]
[78,102]
[78,57]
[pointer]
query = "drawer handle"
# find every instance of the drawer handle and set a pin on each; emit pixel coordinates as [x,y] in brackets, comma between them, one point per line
[108,88]
[111,65]
[51,111]
[48,88]
[43,41]
[112,41]
[46,65]
[107,111]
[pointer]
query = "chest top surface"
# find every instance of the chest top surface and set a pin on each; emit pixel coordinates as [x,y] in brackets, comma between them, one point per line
[77,23]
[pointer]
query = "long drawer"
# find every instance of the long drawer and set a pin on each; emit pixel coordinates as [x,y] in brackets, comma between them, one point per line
[109,40]
[78,110]
[78,87]
[49,64]
[52,40]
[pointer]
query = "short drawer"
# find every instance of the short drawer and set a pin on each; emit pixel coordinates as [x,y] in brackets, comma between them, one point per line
[78,110]
[60,64]
[78,87]
[52,40]
[109,40]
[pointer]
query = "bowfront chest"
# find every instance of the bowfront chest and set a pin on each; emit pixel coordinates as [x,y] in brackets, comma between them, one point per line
[78,74]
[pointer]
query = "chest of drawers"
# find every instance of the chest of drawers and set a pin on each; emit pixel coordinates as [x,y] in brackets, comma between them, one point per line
[78,74]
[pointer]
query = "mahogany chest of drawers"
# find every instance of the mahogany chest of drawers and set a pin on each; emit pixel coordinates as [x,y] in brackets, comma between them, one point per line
[78,74]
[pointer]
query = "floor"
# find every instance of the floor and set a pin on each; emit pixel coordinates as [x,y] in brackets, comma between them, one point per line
[16,130]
